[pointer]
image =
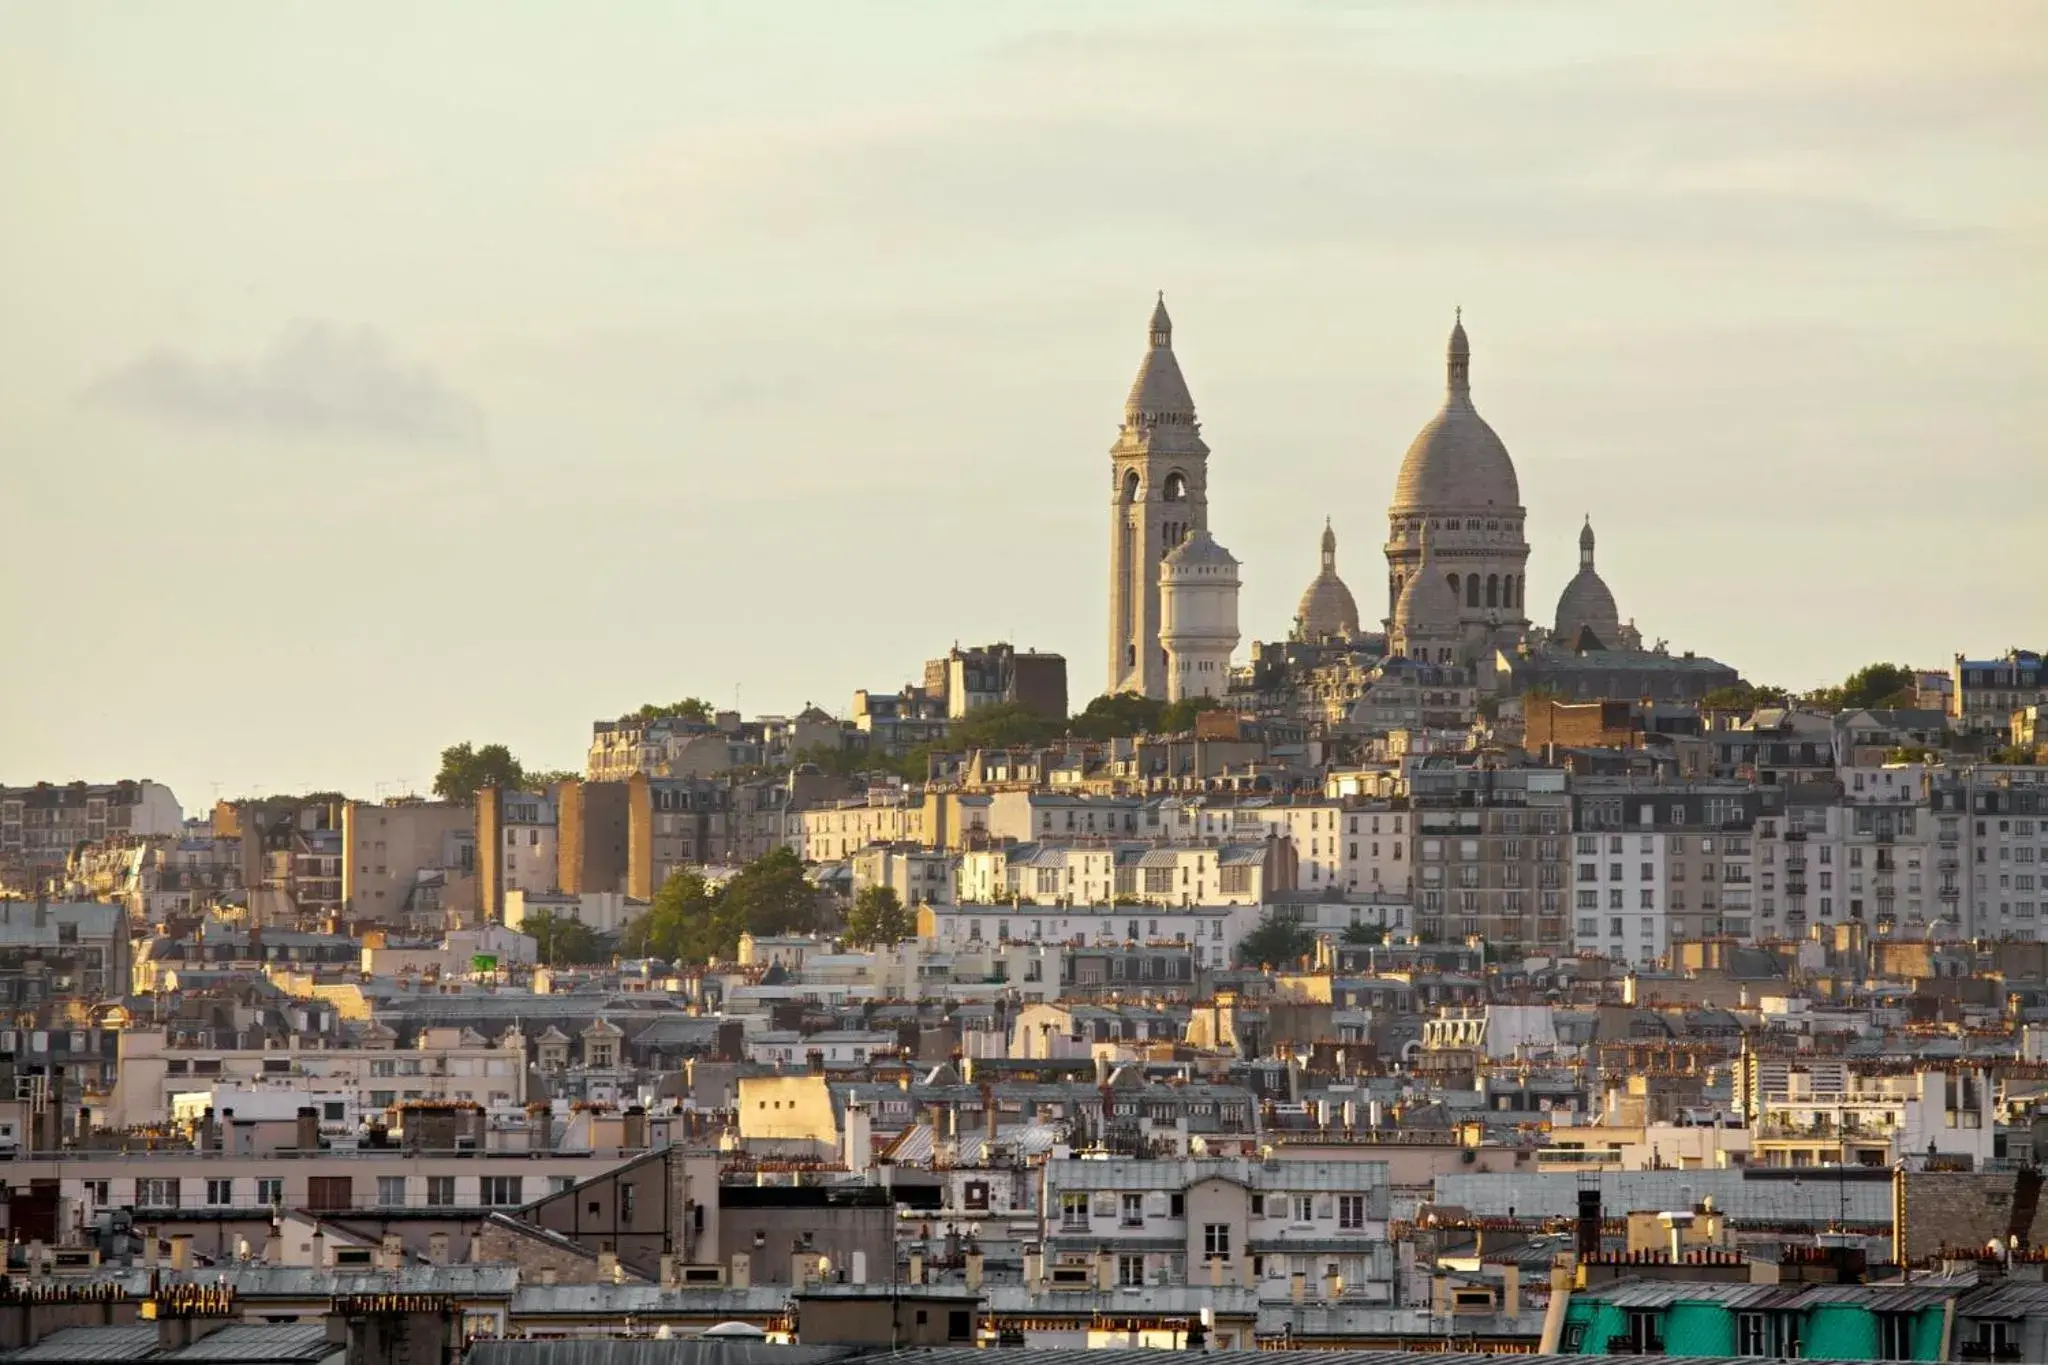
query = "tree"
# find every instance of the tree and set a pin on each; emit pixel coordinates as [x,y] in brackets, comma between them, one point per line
[563,939]
[1744,696]
[1178,717]
[1879,686]
[687,922]
[466,770]
[689,708]
[879,919]
[771,895]
[1116,715]
[541,779]
[1364,935]
[1275,943]
[1004,725]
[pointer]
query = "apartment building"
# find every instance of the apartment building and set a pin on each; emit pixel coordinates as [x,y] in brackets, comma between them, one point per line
[1280,1228]
[1655,864]
[965,680]
[1985,692]
[1138,874]
[517,838]
[1488,849]
[388,846]
[449,1066]
[632,836]
[50,954]
[918,875]
[1830,1112]
[2001,816]
[41,824]
[1211,932]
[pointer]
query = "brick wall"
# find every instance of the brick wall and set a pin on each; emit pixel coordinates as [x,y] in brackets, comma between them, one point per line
[1934,1209]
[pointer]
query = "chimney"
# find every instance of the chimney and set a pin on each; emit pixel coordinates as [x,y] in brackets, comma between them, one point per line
[1105,1270]
[1587,1242]
[607,1267]
[437,1248]
[669,1278]
[391,1252]
[917,1267]
[1511,1289]
[309,1129]
[974,1266]
[859,1139]
[476,1250]
[1034,1266]
[550,1275]
[636,1129]
[742,1276]
[540,1126]
[181,1251]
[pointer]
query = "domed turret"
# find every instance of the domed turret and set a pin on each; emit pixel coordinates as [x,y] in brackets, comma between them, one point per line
[1327,610]
[1198,616]
[1586,606]
[1425,624]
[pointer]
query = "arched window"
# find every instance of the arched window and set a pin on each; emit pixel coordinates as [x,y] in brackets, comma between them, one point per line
[1472,590]
[1454,585]
[1493,590]
[1131,486]
[1518,592]
[1176,487]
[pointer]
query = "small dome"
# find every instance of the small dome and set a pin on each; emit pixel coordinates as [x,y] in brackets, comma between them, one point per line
[1426,604]
[1327,610]
[1159,392]
[1199,550]
[1586,604]
[1456,460]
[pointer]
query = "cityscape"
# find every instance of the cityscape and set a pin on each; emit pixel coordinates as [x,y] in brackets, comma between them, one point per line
[1455,965]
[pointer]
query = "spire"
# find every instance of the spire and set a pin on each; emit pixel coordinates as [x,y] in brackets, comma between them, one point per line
[1329,548]
[1460,359]
[1159,402]
[1162,325]
[1586,544]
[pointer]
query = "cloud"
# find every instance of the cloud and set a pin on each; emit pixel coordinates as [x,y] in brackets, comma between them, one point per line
[317,379]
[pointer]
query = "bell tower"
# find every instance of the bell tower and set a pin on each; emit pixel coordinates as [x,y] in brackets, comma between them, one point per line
[1159,496]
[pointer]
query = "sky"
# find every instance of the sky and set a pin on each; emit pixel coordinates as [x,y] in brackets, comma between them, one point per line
[375,376]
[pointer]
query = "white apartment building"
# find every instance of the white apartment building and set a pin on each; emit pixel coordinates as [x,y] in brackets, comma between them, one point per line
[1657,864]
[1994,823]
[1042,874]
[1213,931]
[449,1064]
[829,833]
[1278,1227]
[1336,843]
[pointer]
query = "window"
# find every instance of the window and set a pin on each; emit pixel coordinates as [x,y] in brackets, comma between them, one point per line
[1132,1211]
[1304,1208]
[391,1191]
[1130,1271]
[329,1192]
[626,1202]
[501,1190]
[441,1191]
[220,1193]
[270,1191]
[1074,1210]
[156,1193]
[1215,1241]
[1351,1212]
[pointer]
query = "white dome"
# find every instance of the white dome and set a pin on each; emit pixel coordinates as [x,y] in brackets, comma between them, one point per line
[1327,609]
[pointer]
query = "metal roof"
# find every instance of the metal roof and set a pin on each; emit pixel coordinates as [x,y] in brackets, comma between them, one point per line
[1144,1356]
[262,1342]
[92,1344]
[683,1351]
[1815,1197]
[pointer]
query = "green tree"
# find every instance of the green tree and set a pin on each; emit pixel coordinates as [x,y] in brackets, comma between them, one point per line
[1364,935]
[466,770]
[1004,725]
[1275,943]
[1745,697]
[1116,715]
[686,922]
[541,779]
[771,895]
[879,919]
[1878,686]
[562,939]
[689,708]
[1178,717]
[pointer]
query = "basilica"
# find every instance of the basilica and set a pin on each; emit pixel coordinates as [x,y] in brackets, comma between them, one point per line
[1457,553]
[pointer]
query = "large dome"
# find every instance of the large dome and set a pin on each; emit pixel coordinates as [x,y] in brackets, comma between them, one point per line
[1456,462]
[1327,610]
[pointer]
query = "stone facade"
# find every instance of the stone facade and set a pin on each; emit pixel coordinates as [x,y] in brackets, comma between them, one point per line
[1159,495]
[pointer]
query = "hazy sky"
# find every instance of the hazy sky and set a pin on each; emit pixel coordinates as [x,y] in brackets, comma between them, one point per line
[378,375]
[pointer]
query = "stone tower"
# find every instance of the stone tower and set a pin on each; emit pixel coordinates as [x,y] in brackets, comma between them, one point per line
[1198,617]
[1159,495]
[1458,481]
